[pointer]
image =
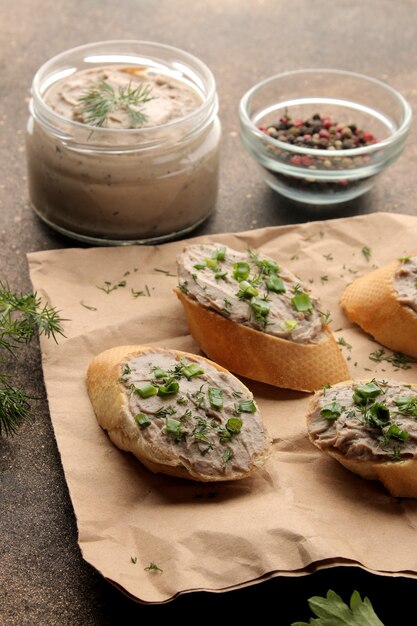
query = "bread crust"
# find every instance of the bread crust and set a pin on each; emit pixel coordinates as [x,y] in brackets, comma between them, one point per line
[371,302]
[110,402]
[262,357]
[399,477]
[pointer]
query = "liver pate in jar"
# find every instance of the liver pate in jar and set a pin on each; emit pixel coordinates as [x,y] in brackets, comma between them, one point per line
[123,143]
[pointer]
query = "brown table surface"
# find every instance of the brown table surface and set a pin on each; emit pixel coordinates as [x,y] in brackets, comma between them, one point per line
[43,578]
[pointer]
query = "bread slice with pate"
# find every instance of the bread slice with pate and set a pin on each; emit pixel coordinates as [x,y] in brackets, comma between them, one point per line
[178,413]
[384,304]
[370,427]
[256,318]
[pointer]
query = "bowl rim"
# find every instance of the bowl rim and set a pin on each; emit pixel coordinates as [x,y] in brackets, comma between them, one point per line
[401,131]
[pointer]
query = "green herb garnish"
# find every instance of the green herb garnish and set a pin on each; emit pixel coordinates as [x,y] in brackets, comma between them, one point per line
[170,388]
[246,406]
[407,405]
[289,325]
[142,420]
[200,266]
[241,270]
[153,567]
[21,317]
[260,308]
[246,290]
[146,391]
[332,611]
[158,372]
[379,415]
[101,100]
[365,394]
[395,432]
[332,411]
[275,283]
[192,370]
[215,397]
[397,359]
[219,254]
[165,410]
[367,252]
[220,275]
[302,302]
[173,426]
[227,456]
[234,425]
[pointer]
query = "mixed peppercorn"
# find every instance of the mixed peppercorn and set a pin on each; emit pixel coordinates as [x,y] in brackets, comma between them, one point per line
[318,133]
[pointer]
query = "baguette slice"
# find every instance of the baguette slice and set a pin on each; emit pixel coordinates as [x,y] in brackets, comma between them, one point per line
[203,449]
[371,302]
[262,357]
[398,476]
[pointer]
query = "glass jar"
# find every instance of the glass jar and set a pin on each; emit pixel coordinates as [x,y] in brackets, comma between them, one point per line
[107,185]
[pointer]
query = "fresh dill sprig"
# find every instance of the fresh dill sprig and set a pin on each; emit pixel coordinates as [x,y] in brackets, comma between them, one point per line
[102,100]
[21,316]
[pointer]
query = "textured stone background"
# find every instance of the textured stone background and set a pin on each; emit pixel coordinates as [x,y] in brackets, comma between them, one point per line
[43,579]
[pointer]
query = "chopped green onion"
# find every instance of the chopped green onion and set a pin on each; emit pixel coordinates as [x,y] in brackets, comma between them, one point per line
[290,325]
[170,387]
[302,302]
[191,370]
[246,290]
[234,425]
[379,415]
[331,411]
[269,267]
[216,397]
[173,426]
[146,391]
[158,372]
[260,308]
[220,275]
[395,432]
[201,265]
[142,420]
[275,284]
[241,270]
[219,254]
[247,406]
[212,264]
[366,393]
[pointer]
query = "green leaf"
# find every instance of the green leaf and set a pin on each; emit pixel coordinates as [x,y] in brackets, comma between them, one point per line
[215,395]
[241,270]
[275,284]
[234,425]
[331,411]
[332,611]
[192,370]
[302,303]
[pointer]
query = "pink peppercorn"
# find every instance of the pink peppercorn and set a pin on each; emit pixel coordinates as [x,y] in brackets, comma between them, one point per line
[298,123]
[324,133]
[368,136]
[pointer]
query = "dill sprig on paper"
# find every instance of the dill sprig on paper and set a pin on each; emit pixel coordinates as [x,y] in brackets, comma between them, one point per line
[21,317]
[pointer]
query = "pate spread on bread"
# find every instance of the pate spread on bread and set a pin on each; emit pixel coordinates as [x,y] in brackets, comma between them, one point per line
[179,413]
[384,304]
[256,318]
[370,427]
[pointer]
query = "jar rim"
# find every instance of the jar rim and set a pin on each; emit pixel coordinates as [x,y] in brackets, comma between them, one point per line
[197,67]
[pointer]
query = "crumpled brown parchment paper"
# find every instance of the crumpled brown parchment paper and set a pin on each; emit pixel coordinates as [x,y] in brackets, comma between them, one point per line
[302,510]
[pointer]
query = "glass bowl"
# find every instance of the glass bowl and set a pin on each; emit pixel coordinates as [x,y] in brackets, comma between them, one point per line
[306,171]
